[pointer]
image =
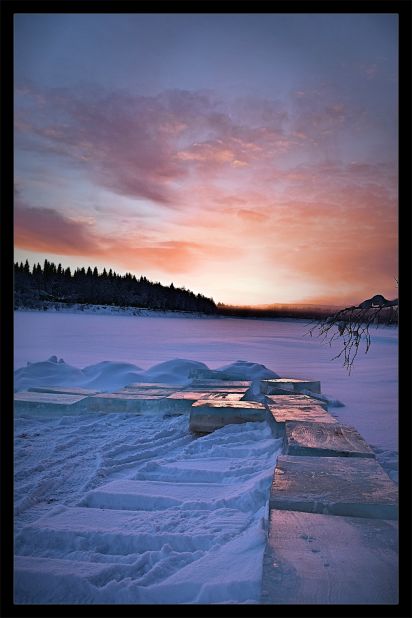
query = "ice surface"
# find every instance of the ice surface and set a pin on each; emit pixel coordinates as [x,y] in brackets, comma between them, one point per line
[294,401]
[208,415]
[278,415]
[326,440]
[143,386]
[324,559]
[65,390]
[351,486]
[133,403]
[192,395]
[182,402]
[280,385]
[46,404]
[223,396]
[221,389]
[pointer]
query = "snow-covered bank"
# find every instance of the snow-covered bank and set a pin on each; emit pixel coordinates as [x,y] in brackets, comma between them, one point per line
[89,309]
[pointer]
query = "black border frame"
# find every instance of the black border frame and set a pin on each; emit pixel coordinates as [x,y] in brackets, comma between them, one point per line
[8,8]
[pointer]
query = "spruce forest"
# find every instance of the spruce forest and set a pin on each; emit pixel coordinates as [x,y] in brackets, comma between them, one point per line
[35,287]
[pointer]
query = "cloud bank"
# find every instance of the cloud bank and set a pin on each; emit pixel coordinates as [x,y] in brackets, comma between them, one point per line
[276,184]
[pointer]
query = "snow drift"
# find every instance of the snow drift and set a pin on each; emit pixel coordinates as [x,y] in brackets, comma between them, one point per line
[191,532]
[107,376]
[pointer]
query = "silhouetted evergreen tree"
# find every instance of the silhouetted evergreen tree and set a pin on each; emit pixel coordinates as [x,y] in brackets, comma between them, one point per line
[58,284]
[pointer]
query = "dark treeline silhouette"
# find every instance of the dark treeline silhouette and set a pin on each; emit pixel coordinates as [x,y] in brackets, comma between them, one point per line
[37,286]
[275,311]
[33,286]
[304,312]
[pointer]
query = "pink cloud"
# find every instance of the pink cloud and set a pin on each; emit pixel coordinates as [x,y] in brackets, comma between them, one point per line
[142,146]
[47,231]
[230,181]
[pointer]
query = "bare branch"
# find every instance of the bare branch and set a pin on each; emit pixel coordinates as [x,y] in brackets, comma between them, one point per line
[352,326]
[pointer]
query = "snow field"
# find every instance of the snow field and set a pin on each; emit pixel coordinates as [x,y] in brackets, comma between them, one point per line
[161,518]
[207,550]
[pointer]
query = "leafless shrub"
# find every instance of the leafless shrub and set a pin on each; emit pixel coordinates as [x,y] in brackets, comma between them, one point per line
[351,325]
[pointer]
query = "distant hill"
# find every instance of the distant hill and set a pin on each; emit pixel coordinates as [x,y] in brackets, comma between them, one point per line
[299,306]
[311,312]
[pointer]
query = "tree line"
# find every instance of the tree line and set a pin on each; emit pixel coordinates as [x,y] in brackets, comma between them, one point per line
[33,286]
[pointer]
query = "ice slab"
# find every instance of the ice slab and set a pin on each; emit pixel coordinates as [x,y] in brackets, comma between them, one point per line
[278,416]
[354,487]
[181,402]
[149,401]
[206,416]
[160,392]
[156,495]
[294,401]
[49,404]
[218,389]
[278,386]
[201,395]
[67,390]
[325,440]
[151,385]
[199,383]
[222,396]
[190,395]
[121,532]
[323,559]
[126,402]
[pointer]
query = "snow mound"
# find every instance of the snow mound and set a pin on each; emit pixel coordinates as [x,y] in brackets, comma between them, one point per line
[176,371]
[244,370]
[109,376]
[47,373]
[104,376]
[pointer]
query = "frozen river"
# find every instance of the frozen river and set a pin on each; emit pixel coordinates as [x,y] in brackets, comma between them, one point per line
[205,550]
[370,393]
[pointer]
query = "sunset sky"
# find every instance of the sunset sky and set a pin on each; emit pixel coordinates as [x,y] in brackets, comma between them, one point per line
[248,157]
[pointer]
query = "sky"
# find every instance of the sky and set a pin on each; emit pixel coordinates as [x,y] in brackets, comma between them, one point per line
[248,157]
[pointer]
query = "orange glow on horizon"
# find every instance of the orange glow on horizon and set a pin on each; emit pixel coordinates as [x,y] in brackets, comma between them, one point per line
[248,214]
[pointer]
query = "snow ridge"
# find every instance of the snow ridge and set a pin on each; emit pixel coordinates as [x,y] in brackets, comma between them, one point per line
[107,376]
[190,509]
